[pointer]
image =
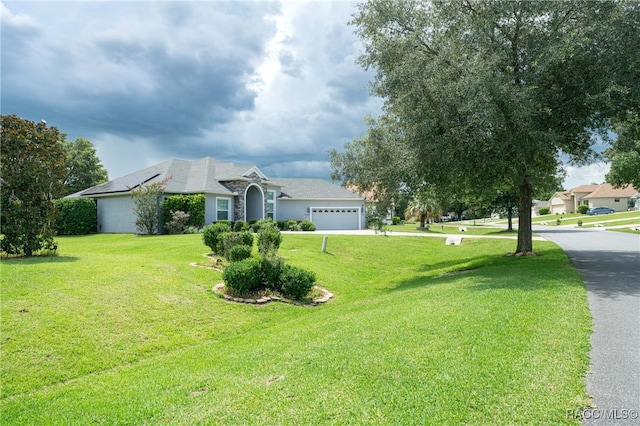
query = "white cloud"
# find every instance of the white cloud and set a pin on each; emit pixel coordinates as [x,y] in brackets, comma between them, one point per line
[585,175]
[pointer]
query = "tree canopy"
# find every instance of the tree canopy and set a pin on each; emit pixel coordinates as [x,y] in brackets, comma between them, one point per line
[31,173]
[486,96]
[624,153]
[84,169]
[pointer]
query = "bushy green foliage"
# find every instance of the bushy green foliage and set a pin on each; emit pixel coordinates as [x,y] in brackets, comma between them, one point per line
[543,211]
[238,253]
[192,204]
[83,166]
[178,223]
[240,226]
[291,225]
[583,208]
[296,282]
[269,239]
[31,173]
[243,276]
[396,220]
[307,225]
[271,270]
[76,216]
[232,239]
[211,236]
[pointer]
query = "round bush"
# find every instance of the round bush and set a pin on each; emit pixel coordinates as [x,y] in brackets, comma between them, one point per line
[243,276]
[211,236]
[296,282]
[307,225]
[238,253]
[583,209]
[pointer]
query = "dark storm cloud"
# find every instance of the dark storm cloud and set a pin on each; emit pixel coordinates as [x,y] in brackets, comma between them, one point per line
[183,74]
[270,84]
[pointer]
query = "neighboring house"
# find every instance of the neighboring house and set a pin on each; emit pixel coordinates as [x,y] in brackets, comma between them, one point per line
[593,196]
[537,205]
[232,192]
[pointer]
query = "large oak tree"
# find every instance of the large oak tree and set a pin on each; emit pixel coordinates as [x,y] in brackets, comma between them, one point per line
[490,94]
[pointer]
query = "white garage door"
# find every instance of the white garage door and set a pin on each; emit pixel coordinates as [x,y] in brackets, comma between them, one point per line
[330,218]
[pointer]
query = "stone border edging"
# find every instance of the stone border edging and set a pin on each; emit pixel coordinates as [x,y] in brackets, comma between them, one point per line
[326,296]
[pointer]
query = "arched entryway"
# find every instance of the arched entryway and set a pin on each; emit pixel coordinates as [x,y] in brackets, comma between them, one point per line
[253,203]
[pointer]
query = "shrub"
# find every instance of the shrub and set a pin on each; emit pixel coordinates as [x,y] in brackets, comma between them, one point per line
[582,209]
[240,226]
[192,204]
[282,225]
[291,225]
[178,223]
[307,225]
[269,239]
[296,282]
[579,223]
[211,236]
[271,270]
[232,239]
[238,253]
[243,276]
[558,221]
[145,206]
[76,216]
[259,224]
[543,211]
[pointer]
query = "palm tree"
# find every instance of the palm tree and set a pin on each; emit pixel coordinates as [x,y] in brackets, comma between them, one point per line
[423,206]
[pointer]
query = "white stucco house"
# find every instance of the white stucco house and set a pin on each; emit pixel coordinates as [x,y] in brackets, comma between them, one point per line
[592,196]
[232,192]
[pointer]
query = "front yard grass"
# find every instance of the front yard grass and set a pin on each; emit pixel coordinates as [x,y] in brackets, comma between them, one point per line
[121,330]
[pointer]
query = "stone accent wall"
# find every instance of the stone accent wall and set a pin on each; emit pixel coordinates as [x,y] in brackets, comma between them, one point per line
[240,187]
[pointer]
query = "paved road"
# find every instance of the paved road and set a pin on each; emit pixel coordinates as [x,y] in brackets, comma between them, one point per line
[609,263]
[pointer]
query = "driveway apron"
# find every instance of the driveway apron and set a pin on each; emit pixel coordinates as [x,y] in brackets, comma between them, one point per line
[609,263]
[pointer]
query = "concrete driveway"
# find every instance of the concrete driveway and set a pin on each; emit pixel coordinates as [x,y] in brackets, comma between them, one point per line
[609,263]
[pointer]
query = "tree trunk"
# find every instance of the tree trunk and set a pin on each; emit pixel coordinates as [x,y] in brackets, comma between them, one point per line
[510,219]
[423,219]
[525,202]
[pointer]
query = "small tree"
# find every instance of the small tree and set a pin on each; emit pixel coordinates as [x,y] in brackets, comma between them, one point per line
[30,175]
[146,200]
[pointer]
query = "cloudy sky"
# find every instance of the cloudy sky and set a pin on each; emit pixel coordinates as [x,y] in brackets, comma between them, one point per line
[272,84]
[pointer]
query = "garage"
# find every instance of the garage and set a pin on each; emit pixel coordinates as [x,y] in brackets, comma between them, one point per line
[336,218]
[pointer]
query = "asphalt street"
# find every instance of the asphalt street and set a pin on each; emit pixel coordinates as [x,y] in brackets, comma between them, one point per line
[609,263]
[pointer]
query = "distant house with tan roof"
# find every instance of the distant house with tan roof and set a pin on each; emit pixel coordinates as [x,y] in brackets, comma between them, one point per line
[605,194]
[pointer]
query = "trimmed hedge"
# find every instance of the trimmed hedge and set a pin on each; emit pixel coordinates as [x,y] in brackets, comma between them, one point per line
[232,239]
[238,253]
[212,236]
[76,216]
[192,204]
[243,276]
[543,211]
[296,282]
[307,225]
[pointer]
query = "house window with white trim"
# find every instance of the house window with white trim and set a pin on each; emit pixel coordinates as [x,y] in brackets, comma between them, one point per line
[222,209]
[271,204]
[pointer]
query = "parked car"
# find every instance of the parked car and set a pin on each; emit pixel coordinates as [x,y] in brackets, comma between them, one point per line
[600,210]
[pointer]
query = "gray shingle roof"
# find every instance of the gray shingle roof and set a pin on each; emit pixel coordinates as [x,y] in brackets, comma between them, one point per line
[313,189]
[205,176]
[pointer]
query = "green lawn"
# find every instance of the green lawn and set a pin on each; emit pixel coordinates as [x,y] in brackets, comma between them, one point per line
[444,228]
[121,330]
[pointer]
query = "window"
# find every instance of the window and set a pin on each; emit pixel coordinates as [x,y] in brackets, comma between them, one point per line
[617,200]
[222,209]
[271,204]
